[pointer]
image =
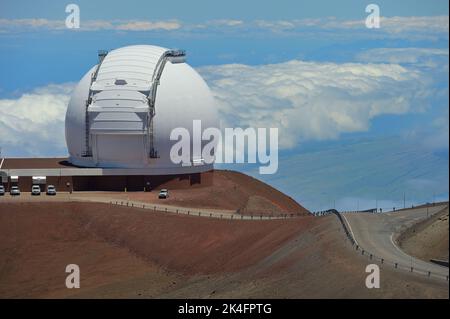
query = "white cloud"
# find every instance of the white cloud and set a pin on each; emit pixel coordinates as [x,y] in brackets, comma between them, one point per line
[392,26]
[11,24]
[402,24]
[428,57]
[279,25]
[226,22]
[387,24]
[148,26]
[18,25]
[33,124]
[426,27]
[314,101]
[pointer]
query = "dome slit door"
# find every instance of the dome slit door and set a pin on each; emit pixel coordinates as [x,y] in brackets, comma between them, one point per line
[174,56]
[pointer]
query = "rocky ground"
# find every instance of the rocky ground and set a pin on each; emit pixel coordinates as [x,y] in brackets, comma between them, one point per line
[428,239]
[126,252]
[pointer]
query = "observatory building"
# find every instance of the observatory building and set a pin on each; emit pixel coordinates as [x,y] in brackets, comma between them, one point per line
[123,110]
[119,120]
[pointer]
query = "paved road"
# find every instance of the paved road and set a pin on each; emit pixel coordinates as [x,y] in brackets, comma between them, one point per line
[376,234]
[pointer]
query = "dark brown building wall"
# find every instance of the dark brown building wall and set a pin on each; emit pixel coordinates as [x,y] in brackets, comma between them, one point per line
[119,183]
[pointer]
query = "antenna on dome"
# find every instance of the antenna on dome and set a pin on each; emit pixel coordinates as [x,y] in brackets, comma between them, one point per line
[101,55]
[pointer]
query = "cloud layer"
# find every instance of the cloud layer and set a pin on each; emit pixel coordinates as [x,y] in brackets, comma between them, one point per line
[33,124]
[426,27]
[305,100]
[18,25]
[312,100]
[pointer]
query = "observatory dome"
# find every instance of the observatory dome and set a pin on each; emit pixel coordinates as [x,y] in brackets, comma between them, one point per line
[123,110]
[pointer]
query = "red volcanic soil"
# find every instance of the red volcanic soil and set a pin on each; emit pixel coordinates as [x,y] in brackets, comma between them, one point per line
[229,190]
[37,241]
[131,252]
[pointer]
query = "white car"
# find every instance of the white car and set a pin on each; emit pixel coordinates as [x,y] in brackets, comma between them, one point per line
[163,193]
[51,190]
[14,191]
[2,190]
[35,190]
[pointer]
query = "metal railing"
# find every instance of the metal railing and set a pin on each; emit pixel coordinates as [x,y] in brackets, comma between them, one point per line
[203,212]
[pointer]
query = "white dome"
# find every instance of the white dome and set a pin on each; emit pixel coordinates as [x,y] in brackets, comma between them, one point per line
[114,130]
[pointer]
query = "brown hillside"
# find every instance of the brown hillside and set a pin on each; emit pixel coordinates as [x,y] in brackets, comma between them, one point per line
[130,252]
[229,190]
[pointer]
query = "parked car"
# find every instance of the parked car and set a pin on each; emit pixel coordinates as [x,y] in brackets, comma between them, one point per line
[2,190]
[35,190]
[163,193]
[14,191]
[51,190]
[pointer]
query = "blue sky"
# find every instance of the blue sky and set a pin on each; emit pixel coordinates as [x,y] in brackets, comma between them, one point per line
[200,10]
[362,113]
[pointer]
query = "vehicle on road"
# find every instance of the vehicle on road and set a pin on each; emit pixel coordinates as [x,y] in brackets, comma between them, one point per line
[35,190]
[51,190]
[163,193]
[2,190]
[14,191]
